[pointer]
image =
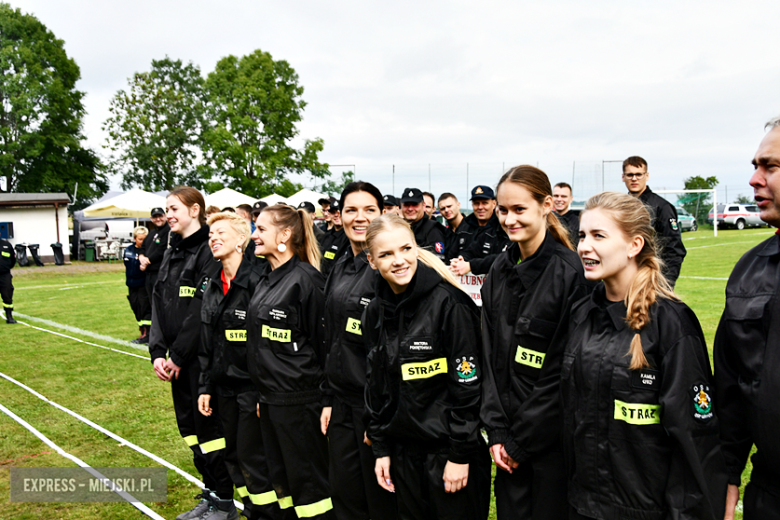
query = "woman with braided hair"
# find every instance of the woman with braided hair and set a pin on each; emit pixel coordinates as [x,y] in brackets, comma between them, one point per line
[640,427]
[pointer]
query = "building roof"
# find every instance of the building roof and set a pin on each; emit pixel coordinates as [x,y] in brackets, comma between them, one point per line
[33,199]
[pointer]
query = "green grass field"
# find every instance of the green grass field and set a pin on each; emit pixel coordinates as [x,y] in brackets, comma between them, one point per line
[121,393]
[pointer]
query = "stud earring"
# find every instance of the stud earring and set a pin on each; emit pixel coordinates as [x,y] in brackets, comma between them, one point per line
[281,247]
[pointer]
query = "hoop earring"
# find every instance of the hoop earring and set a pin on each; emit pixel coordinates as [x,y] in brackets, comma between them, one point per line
[238,248]
[281,247]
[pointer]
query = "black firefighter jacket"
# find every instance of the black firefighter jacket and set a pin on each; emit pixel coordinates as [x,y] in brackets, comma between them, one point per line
[349,290]
[667,233]
[460,239]
[747,367]
[222,354]
[154,247]
[524,305]
[7,257]
[431,235]
[285,334]
[641,444]
[424,374]
[487,242]
[333,245]
[175,307]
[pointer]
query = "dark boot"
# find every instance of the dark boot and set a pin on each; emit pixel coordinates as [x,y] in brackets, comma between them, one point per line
[139,338]
[200,508]
[145,336]
[221,510]
[9,316]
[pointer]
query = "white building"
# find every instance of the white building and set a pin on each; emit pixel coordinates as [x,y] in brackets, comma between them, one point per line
[37,218]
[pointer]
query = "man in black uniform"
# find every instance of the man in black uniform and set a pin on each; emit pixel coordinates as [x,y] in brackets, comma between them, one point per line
[325,206]
[747,353]
[7,262]
[153,248]
[460,232]
[334,243]
[664,216]
[489,238]
[562,197]
[391,205]
[428,201]
[309,207]
[428,233]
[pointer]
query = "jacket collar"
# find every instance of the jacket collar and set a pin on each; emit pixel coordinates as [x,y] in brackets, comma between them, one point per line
[771,246]
[281,271]
[424,280]
[530,268]
[193,242]
[646,194]
[473,222]
[615,310]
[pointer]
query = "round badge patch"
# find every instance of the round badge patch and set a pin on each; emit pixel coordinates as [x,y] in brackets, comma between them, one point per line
[466,368]
[439,247]
[702,402]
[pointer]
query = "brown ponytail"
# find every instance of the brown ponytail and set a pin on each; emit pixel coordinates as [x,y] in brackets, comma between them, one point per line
[538,184]
[302,239]
[649,284]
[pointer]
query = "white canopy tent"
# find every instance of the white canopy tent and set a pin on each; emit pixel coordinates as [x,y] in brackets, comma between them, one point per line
[228,197]
[135,203]
[274,199]
[306,195]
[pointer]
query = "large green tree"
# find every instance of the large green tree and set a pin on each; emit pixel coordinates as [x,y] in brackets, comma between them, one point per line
[155,125]
[254,105]
[698,204]
[41,113]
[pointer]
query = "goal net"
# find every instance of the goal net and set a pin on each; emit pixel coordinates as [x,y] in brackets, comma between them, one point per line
[693,207]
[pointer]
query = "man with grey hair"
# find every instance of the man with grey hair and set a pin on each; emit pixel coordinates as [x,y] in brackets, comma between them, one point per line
[747,353]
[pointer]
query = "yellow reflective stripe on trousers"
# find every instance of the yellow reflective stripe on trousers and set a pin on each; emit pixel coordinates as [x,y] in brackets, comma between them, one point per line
[263,499]
[528,357]
[191,440]
[317,508]
[424,370]
[637,413]
[216,444]
[145,322]
[242,492]
[285,502]
[8,305]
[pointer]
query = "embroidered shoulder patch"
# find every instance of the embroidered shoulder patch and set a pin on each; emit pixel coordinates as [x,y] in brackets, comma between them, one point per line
[466,368]
[702,402]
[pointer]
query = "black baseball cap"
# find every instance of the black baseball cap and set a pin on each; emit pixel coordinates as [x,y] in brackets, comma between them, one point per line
[157,211]
[323,201]
[482,193]
[412,195]
[390,200]
[308,206]
[258,207]
[334,206]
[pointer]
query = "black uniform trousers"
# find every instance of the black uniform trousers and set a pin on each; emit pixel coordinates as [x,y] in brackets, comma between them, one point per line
[140,304]
[537,489]
[202,434]
[356,493]
[758,504]
[297,454]
[419,486]
[245,455]
[7,290]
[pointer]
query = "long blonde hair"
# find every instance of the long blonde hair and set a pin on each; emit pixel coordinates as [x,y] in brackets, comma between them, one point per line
[302,239]
[633,219]
[391,221]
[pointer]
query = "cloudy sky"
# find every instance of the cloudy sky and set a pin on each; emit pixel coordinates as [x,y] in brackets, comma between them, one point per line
[470,88]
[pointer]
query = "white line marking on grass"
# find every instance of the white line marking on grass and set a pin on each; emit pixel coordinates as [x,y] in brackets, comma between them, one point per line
[89,469]
[83,332]
[66,285]
[145,358]
[724,244]
[69,288]
[703,278]
[113,435]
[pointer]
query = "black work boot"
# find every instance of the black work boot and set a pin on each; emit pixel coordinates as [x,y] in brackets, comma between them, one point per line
[145,336]
[9,316]
[220,510]
[140,338]
[200,508]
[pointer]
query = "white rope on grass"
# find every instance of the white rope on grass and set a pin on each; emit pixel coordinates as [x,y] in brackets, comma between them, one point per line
[89,469]
[83,332]
[145,358]
[73,285]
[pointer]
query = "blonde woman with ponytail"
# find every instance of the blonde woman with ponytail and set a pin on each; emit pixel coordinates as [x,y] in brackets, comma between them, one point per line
[286,357]
[640,425]
[526,299]
[423,386]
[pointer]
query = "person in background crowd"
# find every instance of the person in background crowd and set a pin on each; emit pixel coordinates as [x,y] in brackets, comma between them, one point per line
[7,262]
[461,233]
[325,206]
[211,210]
[224,373]
[228,209]
[747,352]
[245,212]
[249,250]
[135,279]
[562,197]
[430,204]
[428,233]
[350,286]
[489,239]
[150,254]
[423,385]
[257,208]
[640,421]
[335,242]
[662,212]
[390,205]
[286,352]
[526,299]
[175,334]
[309,207]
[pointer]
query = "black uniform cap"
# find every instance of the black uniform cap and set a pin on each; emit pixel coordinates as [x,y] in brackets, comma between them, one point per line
[412,195]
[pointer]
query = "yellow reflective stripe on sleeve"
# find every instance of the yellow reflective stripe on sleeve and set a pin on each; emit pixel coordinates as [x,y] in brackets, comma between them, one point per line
[263,499]
[216,444]
[281,335]
[637,413]
[424,370]
[145,322]
[531,358]
[285,502]
[353,326]
[191,440]
[242,492]
[317,508]
[235,335]
[186,292]
[330,255]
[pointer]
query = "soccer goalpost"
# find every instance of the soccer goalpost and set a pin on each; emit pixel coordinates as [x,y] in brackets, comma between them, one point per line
[714,203]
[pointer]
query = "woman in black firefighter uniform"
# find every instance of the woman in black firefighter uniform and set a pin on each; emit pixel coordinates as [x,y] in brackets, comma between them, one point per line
[423,386]
[525,299]
[350,287]
[7,262]
[224,376]
[640,426]
[285,343]
[176,333]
